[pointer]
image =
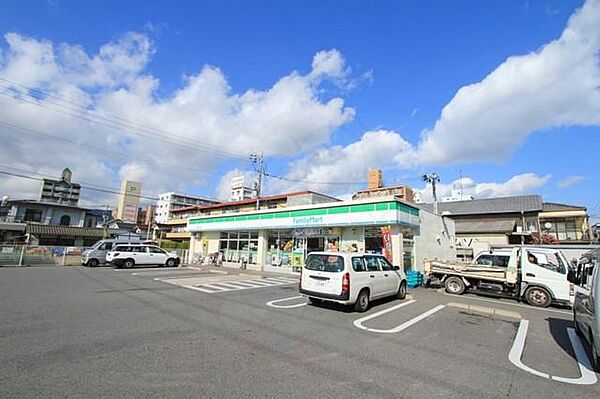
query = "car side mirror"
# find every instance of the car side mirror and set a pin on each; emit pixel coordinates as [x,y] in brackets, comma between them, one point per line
[396,267]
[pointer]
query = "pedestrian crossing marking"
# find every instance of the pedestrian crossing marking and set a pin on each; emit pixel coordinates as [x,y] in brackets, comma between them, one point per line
[215,287]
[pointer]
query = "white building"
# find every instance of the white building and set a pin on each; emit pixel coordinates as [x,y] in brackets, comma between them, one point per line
[457,194]
[239,190]
[167,202]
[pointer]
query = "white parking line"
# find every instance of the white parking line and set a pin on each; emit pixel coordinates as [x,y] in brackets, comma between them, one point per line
[497,302]
[517,350]
[296,305]
[359,322]
[588,377]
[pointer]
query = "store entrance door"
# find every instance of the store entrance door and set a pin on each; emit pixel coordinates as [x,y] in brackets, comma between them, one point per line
[314,244]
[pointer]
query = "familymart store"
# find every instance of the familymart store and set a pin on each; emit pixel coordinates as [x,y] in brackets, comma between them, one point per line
[276,239]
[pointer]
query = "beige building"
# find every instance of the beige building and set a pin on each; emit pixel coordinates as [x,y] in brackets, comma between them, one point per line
[129,201]
[377,189]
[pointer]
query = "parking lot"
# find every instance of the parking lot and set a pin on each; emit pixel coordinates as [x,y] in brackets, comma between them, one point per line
[70,331]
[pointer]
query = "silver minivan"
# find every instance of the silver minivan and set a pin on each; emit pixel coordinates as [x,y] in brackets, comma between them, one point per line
[586,314]
[96,255]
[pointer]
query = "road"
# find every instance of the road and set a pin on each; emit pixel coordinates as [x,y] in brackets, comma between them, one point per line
[75,331]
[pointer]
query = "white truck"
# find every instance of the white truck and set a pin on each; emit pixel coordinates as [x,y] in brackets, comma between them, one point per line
[536,275]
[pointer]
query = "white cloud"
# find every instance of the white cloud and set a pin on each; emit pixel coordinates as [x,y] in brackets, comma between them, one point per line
[570,181]
[339,164]
[557,85]
[526,183]
[292,116]
[329,63]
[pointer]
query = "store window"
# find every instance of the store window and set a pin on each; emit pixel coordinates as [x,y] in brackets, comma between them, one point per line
[280,247]
[236,246]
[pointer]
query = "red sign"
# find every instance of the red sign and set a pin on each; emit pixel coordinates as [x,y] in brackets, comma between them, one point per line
[387,242]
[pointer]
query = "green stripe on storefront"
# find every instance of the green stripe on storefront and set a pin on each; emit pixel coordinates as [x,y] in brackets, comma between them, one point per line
[384,206]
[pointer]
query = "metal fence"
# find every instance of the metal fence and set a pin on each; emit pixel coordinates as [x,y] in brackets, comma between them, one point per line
[23,255]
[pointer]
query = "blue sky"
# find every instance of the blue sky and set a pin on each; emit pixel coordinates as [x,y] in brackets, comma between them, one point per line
[403,62]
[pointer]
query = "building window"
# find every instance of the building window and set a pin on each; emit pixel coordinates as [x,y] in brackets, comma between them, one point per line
[563,229]
[33,215]
[65,220]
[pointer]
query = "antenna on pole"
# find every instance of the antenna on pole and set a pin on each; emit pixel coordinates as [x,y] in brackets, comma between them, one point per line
[433,179]
[460,183]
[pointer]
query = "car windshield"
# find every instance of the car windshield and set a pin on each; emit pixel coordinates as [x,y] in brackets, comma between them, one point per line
[324,263]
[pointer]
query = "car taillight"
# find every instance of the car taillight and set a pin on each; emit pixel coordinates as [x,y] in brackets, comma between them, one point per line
[300,281]
[346,282]
[571,289]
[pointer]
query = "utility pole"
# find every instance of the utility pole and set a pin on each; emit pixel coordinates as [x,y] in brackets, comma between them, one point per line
[258,161]
[433,178]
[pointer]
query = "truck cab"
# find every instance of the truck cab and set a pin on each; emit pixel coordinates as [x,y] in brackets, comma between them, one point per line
[544,273]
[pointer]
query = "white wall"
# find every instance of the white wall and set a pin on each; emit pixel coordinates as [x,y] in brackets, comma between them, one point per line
[436,239]
[480,242]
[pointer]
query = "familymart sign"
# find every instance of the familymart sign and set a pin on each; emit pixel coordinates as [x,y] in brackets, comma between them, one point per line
[345,215]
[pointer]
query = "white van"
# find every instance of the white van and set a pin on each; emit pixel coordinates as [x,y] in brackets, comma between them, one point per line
[130,255]
[96,255]
[350,278]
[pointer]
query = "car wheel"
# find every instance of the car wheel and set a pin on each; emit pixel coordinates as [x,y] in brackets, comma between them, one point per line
[128,263]
[455,285]
[93,262]
[402,290]
[170,262]
[538,297]
[362,301]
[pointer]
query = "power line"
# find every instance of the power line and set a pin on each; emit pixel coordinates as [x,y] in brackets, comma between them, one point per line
[83,113]
[314,182]
[111,191]
[117,153]
[109,117]
[117,123]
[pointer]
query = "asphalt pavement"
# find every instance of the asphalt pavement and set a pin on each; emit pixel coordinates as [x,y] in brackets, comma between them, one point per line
[75,331]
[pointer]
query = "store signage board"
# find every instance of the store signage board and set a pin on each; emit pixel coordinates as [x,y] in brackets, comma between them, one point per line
[372,214]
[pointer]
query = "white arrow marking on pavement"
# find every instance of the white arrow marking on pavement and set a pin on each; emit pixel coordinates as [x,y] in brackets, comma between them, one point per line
[588,377]
[297,305]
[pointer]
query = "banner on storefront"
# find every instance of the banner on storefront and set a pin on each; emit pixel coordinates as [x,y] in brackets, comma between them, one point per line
[387,242]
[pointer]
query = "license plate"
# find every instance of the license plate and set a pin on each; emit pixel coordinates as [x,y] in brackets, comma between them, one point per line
[321,283]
